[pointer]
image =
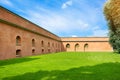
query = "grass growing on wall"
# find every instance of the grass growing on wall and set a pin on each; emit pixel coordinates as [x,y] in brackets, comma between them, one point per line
[63,66]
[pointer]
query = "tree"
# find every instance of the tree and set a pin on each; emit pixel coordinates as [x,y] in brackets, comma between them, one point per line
[112,14]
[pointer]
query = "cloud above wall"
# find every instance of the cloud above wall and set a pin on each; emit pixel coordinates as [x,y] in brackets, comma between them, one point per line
[64,18]
[6,2]
[74,36]
[66,4]
[99,32]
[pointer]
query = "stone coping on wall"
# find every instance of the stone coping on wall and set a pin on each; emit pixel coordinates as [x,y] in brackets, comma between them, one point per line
[85,39]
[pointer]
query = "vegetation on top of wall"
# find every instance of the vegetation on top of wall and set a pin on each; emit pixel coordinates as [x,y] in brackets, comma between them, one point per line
[112,14]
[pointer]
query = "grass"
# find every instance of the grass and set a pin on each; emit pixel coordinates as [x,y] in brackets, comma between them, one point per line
[63,66]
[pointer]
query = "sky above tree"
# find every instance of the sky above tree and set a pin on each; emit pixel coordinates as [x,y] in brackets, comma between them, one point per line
[65,18]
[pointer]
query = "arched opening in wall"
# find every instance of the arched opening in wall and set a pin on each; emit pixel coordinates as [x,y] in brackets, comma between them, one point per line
[48,50]
[33,42]
[42,43]
[56,50]
[18,53]
[76,47]
[67,46]
[18,41]
[42,50]
[48,44]
[56,45]
[33,51]
[85,47]
[52,44]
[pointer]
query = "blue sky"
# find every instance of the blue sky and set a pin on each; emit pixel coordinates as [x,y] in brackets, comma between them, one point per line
[65,18]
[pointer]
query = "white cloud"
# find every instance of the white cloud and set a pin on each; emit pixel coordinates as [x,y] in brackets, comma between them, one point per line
[66,4]
[97,32]
[52,22]
[6,2]
[80,20]
[57,23]
[83,25]
[74,36]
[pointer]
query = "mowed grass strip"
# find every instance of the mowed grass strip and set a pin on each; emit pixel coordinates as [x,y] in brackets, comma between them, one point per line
[63,66]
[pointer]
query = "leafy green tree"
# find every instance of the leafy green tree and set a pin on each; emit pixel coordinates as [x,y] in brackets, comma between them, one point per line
[114,39]
[112,14]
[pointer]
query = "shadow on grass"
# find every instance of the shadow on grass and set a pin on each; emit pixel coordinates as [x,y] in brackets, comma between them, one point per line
[15,61]
[105,71]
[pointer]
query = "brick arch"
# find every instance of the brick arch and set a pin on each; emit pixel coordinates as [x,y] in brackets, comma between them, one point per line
[33,42]
[67,45]
[42,43]
[76,47]
[86,47]
[48,44]
[33,51]
[18,41]
[18,53]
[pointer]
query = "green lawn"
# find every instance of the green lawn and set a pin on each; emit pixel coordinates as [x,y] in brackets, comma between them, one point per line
[63,66]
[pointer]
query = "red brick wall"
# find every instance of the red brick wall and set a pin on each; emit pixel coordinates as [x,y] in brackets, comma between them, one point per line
[94,44]
[12,25]
[13,18]
[9,31]
[8,47]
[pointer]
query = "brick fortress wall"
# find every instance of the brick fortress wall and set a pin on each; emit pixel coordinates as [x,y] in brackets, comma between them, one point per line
[20,37]
[90,44]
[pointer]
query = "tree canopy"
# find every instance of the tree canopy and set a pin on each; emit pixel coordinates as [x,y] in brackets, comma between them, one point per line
[112,15]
